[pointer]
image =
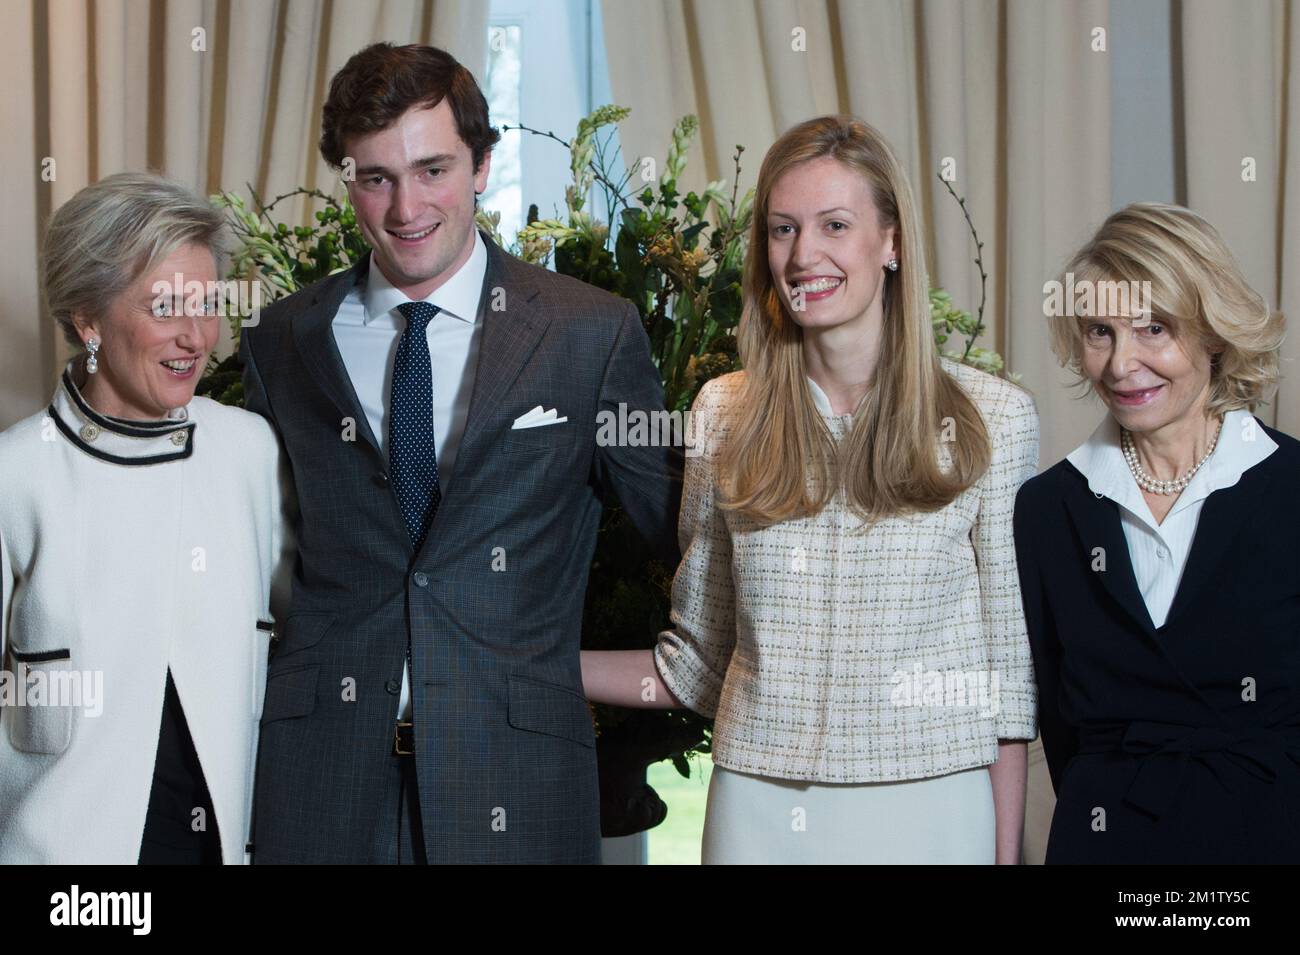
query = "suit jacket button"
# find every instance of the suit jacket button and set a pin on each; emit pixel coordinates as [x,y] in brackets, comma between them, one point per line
[421,579]
[392,686]
[381,479]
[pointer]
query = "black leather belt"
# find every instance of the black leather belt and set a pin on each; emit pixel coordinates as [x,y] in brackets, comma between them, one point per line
[404,739]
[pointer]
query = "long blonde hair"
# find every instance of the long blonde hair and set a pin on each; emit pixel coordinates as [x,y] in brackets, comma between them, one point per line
[887,464]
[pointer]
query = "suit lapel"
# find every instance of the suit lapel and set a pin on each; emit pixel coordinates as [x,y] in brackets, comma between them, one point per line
[314,335]
[513,324]
[1098,525]
[1222,516]
[1221,519]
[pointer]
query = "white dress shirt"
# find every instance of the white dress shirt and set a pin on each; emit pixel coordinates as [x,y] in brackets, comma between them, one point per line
[1159,551]
[368,328]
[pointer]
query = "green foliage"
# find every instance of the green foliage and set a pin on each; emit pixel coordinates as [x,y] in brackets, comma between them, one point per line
[947,319]
[286,258]
[282,259]
[677,258]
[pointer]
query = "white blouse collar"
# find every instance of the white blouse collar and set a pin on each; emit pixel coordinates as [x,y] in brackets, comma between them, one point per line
[822,402]
[1243,443]
[118,440]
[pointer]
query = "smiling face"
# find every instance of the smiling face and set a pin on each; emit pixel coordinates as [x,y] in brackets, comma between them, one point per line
[149,366]
[1147,378]
[826,247]
[414,197]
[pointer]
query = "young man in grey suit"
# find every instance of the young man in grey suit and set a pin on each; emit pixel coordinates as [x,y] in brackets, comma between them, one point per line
[438,404]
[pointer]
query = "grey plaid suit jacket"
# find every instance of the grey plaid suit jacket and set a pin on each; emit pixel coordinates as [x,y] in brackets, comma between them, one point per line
[505,752]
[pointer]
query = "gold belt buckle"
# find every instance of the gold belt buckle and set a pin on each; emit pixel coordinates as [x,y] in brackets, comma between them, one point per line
[397,739]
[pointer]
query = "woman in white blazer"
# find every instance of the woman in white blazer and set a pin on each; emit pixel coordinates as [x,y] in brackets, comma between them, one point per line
[847,608]
[140,531]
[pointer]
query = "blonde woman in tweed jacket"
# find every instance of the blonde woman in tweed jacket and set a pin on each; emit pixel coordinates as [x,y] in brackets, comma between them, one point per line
[847,608]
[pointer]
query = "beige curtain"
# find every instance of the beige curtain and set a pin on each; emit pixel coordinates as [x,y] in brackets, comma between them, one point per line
[1238,107]
[215,93]
[1011,90]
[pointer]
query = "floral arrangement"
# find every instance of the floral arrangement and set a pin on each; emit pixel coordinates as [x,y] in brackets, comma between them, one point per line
[283,259]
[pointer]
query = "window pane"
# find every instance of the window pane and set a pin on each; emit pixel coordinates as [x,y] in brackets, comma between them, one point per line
[504,191]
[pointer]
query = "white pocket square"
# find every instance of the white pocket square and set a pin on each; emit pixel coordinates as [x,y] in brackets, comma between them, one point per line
[537,418]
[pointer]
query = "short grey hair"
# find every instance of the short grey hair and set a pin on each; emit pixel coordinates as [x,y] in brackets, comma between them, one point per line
[110,233]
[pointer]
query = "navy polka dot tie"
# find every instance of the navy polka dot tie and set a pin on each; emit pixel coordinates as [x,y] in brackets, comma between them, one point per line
[412,454]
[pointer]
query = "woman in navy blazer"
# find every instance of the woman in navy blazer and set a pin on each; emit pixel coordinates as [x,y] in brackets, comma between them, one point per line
[1158,562]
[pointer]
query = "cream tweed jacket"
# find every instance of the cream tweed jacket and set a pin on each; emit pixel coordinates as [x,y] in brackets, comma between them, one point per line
[826,654]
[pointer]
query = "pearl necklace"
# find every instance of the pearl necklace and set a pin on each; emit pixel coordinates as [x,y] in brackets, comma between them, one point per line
[1154,485]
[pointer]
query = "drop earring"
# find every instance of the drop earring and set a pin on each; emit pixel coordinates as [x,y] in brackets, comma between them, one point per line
[92,363]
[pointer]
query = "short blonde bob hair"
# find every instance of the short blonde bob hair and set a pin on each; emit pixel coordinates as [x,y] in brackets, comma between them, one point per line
[1197,291]
[112,232]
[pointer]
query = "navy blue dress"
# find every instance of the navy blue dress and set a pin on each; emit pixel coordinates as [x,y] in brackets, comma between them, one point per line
[1177,744]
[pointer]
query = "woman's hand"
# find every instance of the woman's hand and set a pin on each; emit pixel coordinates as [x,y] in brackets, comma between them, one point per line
[1009,775]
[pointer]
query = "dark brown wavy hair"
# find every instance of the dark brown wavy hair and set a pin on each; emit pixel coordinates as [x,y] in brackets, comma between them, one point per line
[380,83]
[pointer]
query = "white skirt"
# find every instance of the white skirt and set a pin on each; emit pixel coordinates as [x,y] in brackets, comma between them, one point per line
[944,820]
